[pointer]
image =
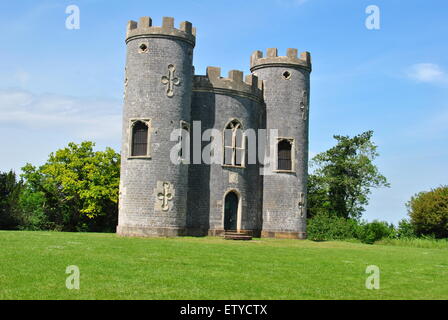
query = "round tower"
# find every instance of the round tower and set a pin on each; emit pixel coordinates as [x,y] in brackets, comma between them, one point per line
[286,83]
[158,83]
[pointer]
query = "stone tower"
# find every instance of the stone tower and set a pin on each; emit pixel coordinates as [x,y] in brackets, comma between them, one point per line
[286,83]
[165,191]
[158,89]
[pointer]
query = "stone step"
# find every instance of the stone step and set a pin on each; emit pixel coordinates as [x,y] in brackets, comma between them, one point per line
[236,232]
[230,235]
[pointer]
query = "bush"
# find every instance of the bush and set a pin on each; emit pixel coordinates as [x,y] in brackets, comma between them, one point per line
[324,226]
[405,229]
[32,206]
[429,212]
[374,231]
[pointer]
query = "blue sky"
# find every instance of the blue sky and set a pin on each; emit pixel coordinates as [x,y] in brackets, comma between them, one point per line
[59,85]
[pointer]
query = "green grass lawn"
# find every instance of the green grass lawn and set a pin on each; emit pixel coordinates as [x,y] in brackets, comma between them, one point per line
[33,264]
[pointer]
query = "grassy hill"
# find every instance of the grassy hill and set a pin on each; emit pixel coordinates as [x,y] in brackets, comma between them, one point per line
[33,265]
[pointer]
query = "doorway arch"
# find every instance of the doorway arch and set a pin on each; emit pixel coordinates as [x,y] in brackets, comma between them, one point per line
[231,210]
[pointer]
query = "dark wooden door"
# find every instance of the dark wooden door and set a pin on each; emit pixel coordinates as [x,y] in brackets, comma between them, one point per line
[231,211]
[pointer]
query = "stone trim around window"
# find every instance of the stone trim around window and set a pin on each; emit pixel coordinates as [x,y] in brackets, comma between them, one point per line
[234,147]
[148,123]
[293,155]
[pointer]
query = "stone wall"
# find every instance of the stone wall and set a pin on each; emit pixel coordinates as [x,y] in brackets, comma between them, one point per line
[151,56]
[286,93]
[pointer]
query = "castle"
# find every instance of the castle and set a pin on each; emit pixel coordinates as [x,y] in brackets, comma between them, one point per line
[159,197]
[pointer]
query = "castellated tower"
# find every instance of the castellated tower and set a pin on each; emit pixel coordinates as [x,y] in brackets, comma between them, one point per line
[158,88]
[165,191]
[286,81]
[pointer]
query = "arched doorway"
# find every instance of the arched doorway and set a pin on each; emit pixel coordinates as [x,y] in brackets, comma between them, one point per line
[231,211]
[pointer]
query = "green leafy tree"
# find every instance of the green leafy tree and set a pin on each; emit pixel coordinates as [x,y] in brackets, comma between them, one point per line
[344,176]
[406,229]
[34,215]
[429,212]
[10,190]
[75,190]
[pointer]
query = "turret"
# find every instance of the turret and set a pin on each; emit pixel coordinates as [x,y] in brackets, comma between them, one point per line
[158,86]
[286,85]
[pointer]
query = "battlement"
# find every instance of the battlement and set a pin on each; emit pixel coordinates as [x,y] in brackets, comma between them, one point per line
[250,87]
[272,59]
[144,28]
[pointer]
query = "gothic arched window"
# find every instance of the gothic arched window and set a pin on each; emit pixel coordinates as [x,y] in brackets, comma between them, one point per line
[234,144]
[140,139]
[284,154]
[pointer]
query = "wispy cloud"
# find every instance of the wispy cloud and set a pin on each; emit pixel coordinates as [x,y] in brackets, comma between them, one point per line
[427,72]
[79,117]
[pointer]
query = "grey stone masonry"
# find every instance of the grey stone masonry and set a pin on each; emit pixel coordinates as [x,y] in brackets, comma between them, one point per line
[162,197]
[286,94]
[158,90]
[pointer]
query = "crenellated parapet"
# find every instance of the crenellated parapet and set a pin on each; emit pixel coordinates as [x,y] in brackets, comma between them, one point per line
[144,28]
[272,59]
[251,87]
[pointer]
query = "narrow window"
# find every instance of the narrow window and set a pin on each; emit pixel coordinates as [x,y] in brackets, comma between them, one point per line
[284,155]
[139,139]
[184,139]
[234,144]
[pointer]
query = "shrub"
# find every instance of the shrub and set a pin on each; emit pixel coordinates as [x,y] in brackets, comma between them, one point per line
[429,212]
[32,206]
[374,231]
[324,226]
[405,229]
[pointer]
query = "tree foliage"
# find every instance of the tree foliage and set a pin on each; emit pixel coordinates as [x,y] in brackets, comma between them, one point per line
[406,229]
[10,190]
[75,190]
[344,176]
[429,212]
[369,232]
[324,226]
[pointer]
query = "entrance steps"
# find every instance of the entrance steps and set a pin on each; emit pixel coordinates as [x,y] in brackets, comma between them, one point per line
[234,235]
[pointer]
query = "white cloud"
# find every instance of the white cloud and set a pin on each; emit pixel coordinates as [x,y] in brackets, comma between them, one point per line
[79,117]
[427,72]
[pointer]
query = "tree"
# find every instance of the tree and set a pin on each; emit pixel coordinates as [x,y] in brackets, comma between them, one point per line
[10,190]
[75,190]
[429,212]
[344,176]
[405,229]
